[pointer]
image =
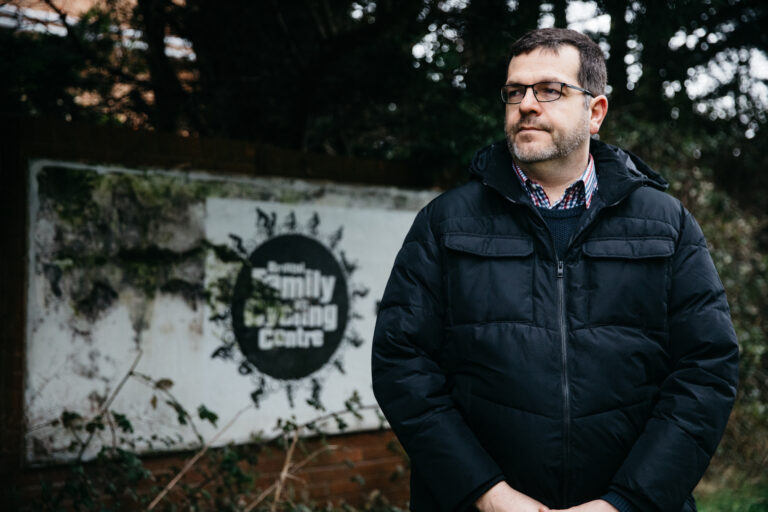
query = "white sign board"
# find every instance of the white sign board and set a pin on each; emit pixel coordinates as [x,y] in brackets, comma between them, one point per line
[220,293]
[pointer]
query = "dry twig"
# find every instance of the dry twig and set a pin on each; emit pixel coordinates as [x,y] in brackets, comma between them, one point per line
[284,472]
[287,474]
[108,402]
[191,462]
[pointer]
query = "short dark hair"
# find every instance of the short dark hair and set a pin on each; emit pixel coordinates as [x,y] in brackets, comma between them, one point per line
[592,73]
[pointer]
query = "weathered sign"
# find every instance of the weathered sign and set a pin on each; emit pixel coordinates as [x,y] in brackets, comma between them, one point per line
[162,296]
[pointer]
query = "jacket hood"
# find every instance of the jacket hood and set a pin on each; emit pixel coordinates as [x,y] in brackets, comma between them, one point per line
[619,171]
[633,163]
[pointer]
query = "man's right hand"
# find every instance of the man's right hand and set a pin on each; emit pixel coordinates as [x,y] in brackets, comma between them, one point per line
[502,498]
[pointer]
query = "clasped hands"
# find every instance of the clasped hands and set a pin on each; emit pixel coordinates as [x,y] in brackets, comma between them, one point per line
[503,498]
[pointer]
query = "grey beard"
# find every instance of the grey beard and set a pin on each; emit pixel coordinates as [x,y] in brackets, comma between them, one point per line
[559,148]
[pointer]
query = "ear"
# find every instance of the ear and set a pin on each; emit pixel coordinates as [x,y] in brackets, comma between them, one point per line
[598,108]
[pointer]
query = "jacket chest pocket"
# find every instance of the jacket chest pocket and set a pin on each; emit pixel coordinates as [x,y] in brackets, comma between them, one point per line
[627,281]
[488,278]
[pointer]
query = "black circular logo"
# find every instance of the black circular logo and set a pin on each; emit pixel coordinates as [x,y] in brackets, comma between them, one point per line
[290,307]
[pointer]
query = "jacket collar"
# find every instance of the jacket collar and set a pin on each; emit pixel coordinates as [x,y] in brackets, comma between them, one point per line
[619,172]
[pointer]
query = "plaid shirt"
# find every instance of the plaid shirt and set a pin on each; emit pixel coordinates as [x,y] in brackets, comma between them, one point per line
[578,193]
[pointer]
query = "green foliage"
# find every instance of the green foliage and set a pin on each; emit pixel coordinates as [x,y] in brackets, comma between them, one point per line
[70,192]
[70,419]
[206,414]
[353,405]
[740,495]
[181,413]
[94,425]
[314,401]
[122,422]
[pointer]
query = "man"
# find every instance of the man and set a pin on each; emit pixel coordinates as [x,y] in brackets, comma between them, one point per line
[554,333]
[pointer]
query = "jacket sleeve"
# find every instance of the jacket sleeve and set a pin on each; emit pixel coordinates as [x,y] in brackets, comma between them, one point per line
[412,388]
[695,400]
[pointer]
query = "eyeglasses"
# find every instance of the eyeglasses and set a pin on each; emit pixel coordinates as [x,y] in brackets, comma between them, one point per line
[542,91]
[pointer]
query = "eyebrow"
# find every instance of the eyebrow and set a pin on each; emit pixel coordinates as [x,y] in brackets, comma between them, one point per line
[538,81]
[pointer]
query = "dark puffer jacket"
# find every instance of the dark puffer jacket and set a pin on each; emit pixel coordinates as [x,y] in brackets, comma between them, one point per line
[614,369]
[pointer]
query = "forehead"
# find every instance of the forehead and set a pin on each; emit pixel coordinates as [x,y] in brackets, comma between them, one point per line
[544,64]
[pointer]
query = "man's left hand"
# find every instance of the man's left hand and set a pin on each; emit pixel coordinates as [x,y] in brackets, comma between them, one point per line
[591,506]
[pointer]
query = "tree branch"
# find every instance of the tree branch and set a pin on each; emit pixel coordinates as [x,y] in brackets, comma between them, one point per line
[191,462]
[284,472]
[108,402]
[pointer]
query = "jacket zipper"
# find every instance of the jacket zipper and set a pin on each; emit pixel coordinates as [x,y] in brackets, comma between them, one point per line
[564,377]
[563,356]
[564,338]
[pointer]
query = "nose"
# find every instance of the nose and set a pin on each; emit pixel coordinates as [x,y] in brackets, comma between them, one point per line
[529,103]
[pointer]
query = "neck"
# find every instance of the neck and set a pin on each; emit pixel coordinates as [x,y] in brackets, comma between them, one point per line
[556,175]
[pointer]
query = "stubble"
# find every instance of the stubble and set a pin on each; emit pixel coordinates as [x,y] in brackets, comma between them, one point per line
[560,146]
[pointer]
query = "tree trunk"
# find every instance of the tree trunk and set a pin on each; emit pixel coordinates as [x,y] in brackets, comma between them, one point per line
[617,39]
[169,96]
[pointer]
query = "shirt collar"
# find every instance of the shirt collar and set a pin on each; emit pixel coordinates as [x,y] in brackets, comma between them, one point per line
[588,180]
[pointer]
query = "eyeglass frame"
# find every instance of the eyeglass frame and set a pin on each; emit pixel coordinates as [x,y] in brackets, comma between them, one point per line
[525,91]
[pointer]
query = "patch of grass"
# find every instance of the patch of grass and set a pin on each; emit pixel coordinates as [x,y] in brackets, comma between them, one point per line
[733,495]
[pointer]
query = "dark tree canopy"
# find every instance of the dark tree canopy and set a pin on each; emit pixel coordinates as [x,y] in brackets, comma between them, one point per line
[393,80]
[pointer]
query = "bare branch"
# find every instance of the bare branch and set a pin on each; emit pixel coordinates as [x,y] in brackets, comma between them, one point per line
[111,424]
[109,401]
[266,492]
[284,472]
[312,455]
[191,462]
[289,475]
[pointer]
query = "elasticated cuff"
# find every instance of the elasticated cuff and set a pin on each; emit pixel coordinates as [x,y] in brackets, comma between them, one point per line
[618,501]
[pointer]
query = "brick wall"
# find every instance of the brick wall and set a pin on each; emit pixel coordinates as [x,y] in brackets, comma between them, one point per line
[358,467]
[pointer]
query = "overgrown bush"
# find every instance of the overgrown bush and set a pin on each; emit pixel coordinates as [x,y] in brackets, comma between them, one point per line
[733,233]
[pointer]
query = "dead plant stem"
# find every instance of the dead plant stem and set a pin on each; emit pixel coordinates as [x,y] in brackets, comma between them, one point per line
[191,462]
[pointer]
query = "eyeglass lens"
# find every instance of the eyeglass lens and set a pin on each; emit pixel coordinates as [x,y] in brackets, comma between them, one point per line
[544,91]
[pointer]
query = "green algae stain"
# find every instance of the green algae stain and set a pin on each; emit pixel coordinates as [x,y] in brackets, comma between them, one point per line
[120,232]
[70,191]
